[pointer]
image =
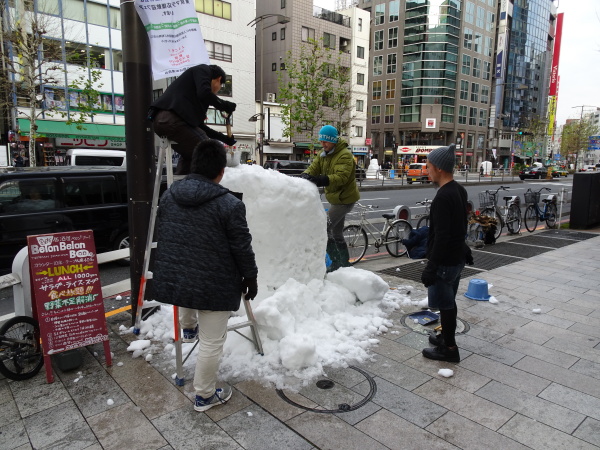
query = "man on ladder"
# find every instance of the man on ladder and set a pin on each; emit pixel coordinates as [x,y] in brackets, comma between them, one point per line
[204,262]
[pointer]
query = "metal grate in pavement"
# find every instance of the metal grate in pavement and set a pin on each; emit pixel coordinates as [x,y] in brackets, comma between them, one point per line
[543,241]
[568,234]
[487,260]
[521,251]
[414,270]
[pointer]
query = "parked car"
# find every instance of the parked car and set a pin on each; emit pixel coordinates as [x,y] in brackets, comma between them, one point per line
[588,168]
[557,171]
[62,198]
[292,168]
[92,157]
[533,172]
[418,172]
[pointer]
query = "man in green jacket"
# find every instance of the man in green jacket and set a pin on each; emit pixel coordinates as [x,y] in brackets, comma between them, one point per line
[335,170]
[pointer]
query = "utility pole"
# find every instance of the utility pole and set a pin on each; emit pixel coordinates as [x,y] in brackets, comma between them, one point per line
[580,145]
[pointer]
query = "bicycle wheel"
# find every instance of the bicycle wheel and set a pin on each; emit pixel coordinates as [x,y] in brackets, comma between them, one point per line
[513,219]
[531,218]
[491,212]
[423,221]
[356,240]
[398,230]
[20,351]
[551,215]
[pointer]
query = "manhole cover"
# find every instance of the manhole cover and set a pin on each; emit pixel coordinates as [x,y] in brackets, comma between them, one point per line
[414,270]
[462,327]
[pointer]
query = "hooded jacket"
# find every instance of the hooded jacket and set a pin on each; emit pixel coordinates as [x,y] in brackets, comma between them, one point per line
[204,246]
[340,167]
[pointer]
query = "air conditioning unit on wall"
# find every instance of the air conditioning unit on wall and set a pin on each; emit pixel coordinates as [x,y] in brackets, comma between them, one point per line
[270,96]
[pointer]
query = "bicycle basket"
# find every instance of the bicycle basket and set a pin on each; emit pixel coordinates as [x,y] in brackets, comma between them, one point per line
[532,197]
[486,199]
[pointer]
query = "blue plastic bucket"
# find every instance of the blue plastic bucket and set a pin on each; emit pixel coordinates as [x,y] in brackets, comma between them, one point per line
[478,290]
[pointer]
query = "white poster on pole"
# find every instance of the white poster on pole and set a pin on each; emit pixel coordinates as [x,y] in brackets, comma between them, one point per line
[176,41]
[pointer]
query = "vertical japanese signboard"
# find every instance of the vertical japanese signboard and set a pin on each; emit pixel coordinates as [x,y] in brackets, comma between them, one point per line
[67,293]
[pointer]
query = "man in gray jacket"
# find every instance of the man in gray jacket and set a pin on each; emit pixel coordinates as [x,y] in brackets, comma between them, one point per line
[204,262]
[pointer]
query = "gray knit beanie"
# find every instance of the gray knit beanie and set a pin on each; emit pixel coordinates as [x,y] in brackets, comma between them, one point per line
[443,158]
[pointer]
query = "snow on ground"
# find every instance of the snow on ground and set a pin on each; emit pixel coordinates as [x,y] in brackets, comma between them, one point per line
[307,319]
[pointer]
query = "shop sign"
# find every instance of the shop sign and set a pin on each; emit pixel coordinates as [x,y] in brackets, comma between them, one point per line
[67,293]
[368,141]
[89,143]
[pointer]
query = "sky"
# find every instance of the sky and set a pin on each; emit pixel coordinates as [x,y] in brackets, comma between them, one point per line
[579,57]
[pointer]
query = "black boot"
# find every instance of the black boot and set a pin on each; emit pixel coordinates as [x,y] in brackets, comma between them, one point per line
[442,353]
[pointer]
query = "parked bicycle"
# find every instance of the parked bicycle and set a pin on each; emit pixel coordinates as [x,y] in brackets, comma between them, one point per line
[21,355]
[509,214]
[533,213]
[391,235]
[424,218]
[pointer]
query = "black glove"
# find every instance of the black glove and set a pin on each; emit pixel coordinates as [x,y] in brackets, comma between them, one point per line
[321,180]
[250,288]
[228,140]
[227,107]
[469,257]
[214,134]
[429,275]
[308,177]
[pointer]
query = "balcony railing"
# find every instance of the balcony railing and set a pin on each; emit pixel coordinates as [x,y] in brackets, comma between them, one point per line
[331,16]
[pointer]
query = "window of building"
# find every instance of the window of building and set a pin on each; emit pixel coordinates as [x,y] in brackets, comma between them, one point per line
[476,67]
[487,48]
[360,52]
[282,4]
[274,67]
[489,23]
[462,114]
[328,70]
[226,88]
[492,2]
[218,51]
[487,68]
[468,38]
[359,24]
[358,131]
[393,37]
[274,36]
[380,14]
[485,94]
[394,10]
[378,65]
[282,66]
[466,65]
[156,93]
[474,92]
[389,114]
[375,114]
[360,79]
[328,40]
[378,45]
[214,117]
[115,18]
[480,17]
[470,140]
[73,9]
[391,63]
[96,14]
[307,33]
[282,34]
[477,43]
[376,90]
[390,89]
[360,105]
[464,90]
[473,116]
[217,8]
[470,12]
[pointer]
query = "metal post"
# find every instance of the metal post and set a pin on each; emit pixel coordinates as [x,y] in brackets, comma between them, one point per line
[139,139]
[261,133]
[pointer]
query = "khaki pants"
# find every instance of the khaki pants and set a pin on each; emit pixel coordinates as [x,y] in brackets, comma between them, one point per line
[212,332]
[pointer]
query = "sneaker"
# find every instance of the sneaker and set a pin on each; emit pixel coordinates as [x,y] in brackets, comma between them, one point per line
[190,334]
[436,339]
[220,397]
[442,353]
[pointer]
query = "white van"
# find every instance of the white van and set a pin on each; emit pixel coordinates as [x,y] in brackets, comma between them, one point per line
[92,157]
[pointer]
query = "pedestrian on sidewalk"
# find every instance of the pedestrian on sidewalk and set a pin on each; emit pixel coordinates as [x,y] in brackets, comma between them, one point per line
[204,262]
[335,170]
[180,112]
[447,251]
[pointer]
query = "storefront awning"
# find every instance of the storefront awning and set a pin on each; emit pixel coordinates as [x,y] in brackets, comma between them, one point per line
[306,145]
[54,129]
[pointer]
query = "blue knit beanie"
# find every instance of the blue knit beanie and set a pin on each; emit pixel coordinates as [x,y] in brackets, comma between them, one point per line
[328,134]
[443,158]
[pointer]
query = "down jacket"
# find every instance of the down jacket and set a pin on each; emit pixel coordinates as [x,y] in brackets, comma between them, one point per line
[204,246]
[340,167]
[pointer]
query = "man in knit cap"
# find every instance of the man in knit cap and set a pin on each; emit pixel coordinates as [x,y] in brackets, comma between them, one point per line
[447,251]
[335,170]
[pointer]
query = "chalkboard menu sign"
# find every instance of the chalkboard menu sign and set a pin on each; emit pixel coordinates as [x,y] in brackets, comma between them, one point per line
[68,293]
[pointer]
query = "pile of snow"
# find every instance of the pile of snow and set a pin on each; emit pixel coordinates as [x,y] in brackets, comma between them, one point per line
[307,319]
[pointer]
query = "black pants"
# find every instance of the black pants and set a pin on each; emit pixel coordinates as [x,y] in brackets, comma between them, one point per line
[170,125]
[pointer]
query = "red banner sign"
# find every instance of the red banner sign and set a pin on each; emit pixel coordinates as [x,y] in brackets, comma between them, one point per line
[68,293]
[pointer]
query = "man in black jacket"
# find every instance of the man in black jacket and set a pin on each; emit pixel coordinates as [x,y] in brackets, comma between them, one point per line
[204,262]
[179,113]
[447,251]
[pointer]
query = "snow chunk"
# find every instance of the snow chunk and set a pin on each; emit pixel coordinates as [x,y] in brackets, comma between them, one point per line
[446,372]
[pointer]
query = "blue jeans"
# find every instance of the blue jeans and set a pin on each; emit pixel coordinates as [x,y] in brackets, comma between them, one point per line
[442,294]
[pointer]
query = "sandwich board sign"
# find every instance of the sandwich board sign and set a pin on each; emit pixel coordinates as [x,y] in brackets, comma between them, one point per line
[67,293]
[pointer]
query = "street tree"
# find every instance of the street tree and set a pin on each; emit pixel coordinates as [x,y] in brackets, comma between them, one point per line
[32,61]
[575,137]
[313,88]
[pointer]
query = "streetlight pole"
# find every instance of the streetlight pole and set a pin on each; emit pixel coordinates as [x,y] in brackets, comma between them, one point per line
[281,19]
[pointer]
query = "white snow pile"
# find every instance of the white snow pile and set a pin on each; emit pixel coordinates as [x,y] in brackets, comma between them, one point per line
[307,319]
